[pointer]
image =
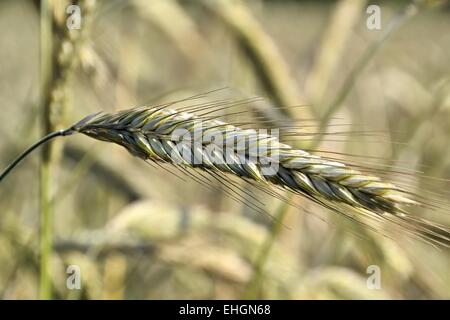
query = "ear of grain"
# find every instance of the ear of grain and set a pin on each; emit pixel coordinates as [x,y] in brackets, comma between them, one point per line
[146,132]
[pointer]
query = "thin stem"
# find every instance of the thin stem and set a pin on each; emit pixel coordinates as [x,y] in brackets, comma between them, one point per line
[253,289]
[47,77]
[30,149]
[396,22]
[45,233]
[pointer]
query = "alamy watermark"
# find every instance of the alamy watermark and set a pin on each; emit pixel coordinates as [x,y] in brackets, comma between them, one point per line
[73,21]
[374,279]
[373,21]
[73,281]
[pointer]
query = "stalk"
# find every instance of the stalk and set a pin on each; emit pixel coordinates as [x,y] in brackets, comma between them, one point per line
[31,149]
[45,236]
[254,286]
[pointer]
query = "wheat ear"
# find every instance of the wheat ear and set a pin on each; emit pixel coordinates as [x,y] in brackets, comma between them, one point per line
[147,132]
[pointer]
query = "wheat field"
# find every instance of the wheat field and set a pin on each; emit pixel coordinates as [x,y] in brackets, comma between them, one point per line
[362,119]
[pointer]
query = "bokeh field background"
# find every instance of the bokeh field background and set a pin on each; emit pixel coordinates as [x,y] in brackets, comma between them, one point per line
[138,232]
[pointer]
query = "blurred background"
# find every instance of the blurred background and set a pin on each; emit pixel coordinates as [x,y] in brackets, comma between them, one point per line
[136,232]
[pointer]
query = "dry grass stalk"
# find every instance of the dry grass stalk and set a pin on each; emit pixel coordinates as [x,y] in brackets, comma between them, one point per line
[58,60]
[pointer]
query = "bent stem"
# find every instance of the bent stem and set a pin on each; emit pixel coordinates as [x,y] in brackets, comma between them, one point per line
[42,141]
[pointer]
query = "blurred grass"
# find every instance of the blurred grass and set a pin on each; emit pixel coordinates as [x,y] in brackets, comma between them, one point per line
[137,232]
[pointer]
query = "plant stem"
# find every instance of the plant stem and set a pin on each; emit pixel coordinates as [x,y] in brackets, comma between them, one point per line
[45,241]
[46,65]
[60,48]
[395,23]
[254,285]
[31,149]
